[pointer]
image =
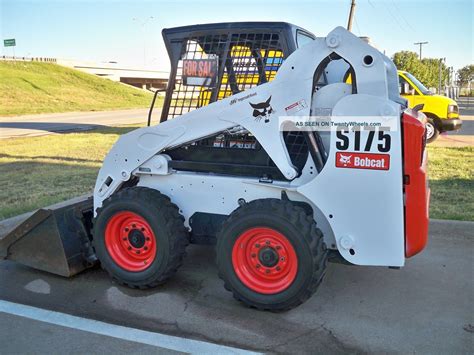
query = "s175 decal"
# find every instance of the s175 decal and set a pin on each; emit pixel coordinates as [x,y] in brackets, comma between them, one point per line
[382,140]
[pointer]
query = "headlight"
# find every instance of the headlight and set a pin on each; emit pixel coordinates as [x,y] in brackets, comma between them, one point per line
[453,109]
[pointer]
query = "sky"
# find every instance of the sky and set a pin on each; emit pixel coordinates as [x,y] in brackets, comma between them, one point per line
[124,32]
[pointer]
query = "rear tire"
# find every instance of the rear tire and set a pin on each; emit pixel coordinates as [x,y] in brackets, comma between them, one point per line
[271,255]
[139,237]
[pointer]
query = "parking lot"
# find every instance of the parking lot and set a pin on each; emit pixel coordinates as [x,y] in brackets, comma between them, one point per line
[424,307]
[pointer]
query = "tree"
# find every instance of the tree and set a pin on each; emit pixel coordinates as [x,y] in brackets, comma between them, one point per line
[408,61]
[431,67]
[465,75]
[425,70]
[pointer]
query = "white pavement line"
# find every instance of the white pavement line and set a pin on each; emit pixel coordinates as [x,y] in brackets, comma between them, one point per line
[117,331]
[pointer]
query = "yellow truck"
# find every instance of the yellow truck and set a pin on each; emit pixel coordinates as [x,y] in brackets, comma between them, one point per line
[441,111]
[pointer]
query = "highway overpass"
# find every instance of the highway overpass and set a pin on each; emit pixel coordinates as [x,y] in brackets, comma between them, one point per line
[138,77]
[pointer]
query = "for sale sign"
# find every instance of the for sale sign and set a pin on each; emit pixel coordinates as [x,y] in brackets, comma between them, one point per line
[354,160]
[200,72]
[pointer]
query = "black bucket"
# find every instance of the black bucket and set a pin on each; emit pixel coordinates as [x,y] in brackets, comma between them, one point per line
[55,239]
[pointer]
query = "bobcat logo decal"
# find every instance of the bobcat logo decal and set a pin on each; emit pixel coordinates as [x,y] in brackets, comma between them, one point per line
[345,159]
[262,110]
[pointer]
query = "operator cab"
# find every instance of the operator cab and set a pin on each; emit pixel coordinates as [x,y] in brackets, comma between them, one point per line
[213,61]
[210,62]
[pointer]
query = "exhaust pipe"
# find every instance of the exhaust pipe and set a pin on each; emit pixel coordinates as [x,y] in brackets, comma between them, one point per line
[55,239]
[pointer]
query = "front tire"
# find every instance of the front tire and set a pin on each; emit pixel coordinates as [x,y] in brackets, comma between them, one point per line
[432,132]
[271,255]
[140,237]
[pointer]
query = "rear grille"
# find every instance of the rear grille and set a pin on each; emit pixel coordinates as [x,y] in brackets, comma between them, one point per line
[297,148]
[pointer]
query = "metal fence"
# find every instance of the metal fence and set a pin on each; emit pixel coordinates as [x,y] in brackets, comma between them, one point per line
[28,59]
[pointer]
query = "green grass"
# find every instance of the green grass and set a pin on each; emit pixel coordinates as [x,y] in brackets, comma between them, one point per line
[451,172]
[39,171]
[32,87]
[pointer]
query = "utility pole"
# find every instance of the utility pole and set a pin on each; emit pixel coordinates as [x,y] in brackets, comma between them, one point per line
[440,72]
[143,24]
[451,84]
[351,15]
[421,46]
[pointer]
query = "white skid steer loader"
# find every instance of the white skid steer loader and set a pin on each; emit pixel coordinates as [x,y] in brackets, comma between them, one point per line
[221,168]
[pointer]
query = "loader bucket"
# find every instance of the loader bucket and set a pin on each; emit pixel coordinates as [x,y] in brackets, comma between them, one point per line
[53,239]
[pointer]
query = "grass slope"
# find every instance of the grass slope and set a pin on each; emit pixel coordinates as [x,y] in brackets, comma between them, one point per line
[32,87]
[38,171]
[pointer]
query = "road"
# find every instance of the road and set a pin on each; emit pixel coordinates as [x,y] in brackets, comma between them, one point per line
[466,106]
[36,125]
[425,307]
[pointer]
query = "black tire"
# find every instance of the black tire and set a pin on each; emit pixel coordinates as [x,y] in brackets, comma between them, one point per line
[298,228]
[167,225]
[432,131]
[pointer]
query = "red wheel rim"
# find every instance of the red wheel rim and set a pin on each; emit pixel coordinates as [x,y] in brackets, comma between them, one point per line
[130,241]
[253,259]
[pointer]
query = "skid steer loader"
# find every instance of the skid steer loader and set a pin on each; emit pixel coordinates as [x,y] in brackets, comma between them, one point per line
[235,161]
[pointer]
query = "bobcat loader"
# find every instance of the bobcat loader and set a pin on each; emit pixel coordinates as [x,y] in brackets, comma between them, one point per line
[235,161]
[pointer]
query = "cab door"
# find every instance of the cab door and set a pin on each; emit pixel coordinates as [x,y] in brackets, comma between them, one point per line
[408,91]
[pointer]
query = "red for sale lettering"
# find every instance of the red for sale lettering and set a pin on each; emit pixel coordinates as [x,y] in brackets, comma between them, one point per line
[199,68]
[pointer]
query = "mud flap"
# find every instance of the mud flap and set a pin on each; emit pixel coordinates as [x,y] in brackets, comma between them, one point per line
[54,239]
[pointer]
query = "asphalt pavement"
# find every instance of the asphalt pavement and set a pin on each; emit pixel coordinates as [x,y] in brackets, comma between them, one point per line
[425,307]
[26,336]
[43,124]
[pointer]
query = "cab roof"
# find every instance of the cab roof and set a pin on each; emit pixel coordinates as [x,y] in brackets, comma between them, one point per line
[175,36]
[250,25]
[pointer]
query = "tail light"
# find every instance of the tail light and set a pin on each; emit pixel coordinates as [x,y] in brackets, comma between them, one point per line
[416,190]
